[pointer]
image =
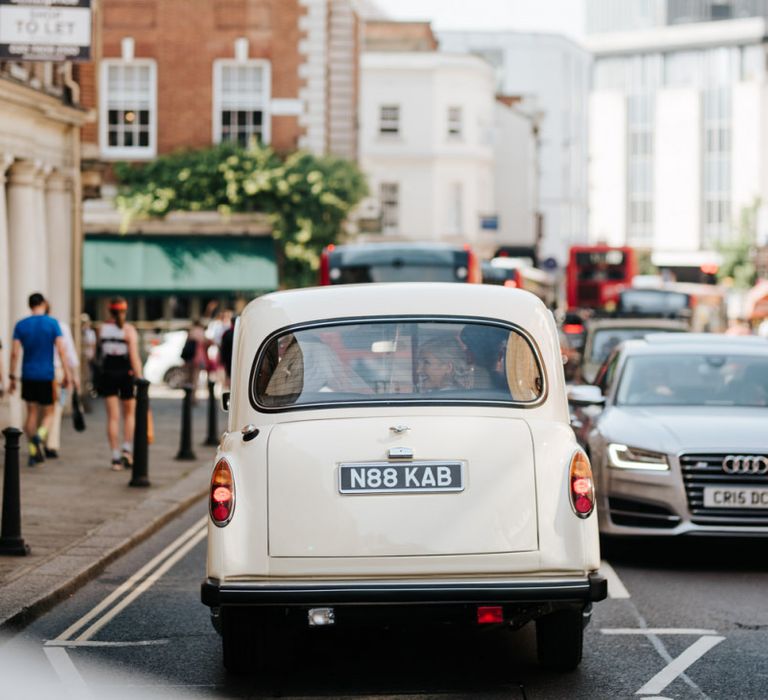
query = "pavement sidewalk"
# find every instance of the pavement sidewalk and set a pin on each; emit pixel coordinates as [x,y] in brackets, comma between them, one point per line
[78,515]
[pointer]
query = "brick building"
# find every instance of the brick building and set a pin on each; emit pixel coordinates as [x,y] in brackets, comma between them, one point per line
[173,74]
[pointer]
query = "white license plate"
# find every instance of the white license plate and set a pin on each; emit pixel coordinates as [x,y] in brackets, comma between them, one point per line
[387,477]
[735,497]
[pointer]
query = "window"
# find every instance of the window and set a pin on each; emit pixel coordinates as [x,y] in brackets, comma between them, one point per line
[128,108]
[694,380]
[375,361]
[241,95]
[389,120]
[389,196]
[455,130]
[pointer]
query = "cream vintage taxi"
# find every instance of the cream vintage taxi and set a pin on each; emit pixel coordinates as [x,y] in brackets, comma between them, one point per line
[395,453]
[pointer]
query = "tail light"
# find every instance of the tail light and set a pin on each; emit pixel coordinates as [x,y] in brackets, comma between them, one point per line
[325,266]
[222,499]
[581,486]
[474,275]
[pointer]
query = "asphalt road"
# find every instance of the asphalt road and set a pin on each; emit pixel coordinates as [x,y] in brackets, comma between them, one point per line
[687,619]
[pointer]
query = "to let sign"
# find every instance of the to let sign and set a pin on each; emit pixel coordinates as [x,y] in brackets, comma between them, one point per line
[45,30]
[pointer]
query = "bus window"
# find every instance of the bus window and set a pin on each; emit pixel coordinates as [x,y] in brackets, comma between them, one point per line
[596,274]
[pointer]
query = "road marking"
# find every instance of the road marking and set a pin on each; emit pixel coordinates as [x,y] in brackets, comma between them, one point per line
[132,581]
[91,643]
[656,630]
[678,666]
[143,586]
[616,588]
[74,684]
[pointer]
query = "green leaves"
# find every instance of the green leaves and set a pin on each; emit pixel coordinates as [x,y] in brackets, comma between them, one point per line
[307,198]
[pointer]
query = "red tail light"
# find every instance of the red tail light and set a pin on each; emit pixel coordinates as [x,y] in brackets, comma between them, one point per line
[474,275]
[582,488]
[222,499]
[325,266]
[573,328]
[490,615]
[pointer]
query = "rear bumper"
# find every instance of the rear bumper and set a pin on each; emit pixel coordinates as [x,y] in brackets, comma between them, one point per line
[591,588]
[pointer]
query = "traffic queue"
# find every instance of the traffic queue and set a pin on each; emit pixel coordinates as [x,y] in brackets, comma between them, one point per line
[452,452]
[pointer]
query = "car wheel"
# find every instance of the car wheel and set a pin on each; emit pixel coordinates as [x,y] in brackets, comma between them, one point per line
[175,377]
[559,639]
[242,641]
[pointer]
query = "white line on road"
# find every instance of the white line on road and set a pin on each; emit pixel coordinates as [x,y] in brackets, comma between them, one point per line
[656,630]
[91,643]
[677,666]
[132,581]
[143,586]
[616,588]
[74,684]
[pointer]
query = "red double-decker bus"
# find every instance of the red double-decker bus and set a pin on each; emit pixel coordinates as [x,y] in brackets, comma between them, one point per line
[596,274]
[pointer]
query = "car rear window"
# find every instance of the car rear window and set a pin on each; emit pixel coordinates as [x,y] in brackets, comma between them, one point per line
[384,361]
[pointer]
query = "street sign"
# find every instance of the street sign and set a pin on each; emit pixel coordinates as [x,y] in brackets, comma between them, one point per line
[549,264]
[45,30]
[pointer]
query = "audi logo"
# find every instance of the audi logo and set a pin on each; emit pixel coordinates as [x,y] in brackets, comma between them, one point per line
[745,464]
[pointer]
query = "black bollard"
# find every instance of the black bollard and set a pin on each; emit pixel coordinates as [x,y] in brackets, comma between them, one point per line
[140,475]
[185,446]
[11,541]
[213,417]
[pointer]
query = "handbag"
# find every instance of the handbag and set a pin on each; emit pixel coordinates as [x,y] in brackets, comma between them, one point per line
[78,416]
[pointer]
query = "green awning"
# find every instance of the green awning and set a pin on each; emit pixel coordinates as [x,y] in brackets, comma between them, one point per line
[133,265]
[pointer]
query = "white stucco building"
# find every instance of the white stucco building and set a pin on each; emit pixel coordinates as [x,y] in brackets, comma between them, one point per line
[551,73]
[426,144]
[679,125]
[40,234]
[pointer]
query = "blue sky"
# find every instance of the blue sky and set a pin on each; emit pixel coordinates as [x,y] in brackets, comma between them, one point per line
[558,16]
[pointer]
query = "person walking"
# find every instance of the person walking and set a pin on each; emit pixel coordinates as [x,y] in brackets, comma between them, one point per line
[37,337]
[2,372]
[120,366]
[53,444]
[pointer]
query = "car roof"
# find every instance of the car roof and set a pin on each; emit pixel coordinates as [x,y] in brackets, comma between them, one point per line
[401,299]
[394,245]
[681,343]
[630,322]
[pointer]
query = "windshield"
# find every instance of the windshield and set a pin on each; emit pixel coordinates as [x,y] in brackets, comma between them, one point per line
[372,264]
[652,301]
[606,339]
[694,380]
[372,361]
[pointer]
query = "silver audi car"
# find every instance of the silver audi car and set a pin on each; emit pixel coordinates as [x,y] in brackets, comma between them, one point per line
[681,443]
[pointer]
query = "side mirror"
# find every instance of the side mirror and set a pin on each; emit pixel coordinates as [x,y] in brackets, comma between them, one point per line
[585,395]
[225,396]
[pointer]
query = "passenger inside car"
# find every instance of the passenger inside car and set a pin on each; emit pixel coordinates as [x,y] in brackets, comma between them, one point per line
[442,365]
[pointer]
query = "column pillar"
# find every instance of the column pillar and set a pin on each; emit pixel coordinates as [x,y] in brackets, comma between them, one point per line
[24,251]
[6,325]
[43,278]
[58,209]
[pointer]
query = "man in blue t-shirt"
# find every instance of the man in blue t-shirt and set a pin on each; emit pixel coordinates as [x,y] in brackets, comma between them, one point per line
[38,336]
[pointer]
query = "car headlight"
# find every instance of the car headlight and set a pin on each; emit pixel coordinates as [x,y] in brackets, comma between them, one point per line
[623,457]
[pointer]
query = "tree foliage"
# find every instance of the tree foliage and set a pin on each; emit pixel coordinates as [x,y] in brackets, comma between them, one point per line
[738,266]
[306,197]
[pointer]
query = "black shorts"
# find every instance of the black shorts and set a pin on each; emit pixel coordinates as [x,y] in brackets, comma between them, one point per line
[116,384]
[34,391]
